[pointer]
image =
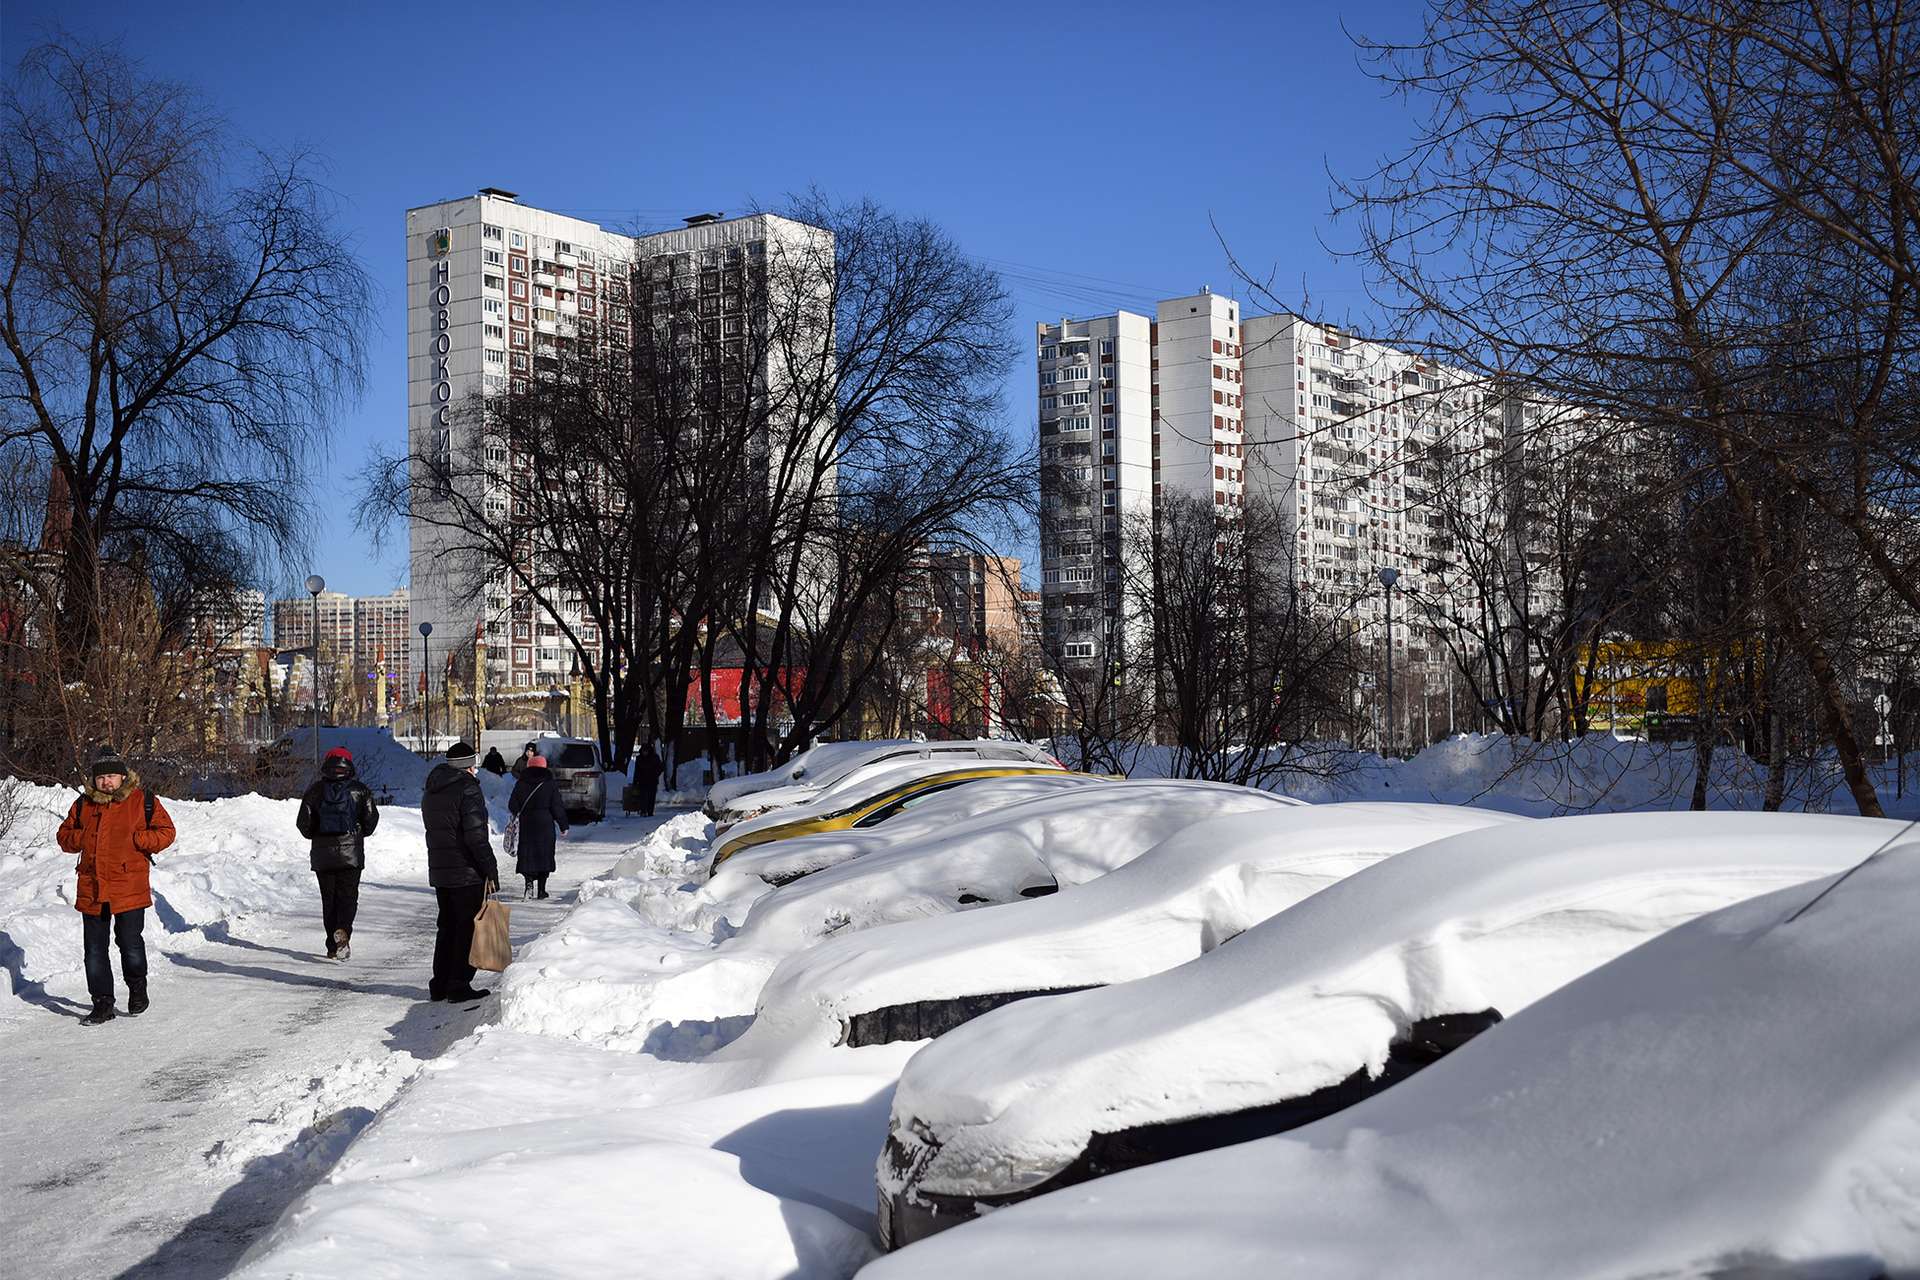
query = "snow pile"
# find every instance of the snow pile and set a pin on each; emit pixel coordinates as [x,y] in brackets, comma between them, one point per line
[1594,774]
[1491,919]
[818,760]
[526,1156]
[1735,1097]
[386,766]
[1196,889]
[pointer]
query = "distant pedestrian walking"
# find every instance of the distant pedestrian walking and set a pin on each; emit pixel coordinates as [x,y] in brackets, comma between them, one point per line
[460,867]
[646,776]
[536,802]
[337,813]
[116,828]
[494,764]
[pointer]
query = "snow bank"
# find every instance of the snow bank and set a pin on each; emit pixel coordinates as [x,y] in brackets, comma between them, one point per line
[532,1157]
[1199,887]
[386,766]
[1488,919]
[1594,774]
[1735,1097]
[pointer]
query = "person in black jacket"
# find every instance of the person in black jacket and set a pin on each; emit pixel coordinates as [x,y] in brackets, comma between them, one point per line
[337,813]
[460,867]
[494,764]
[536,799]
[646,776]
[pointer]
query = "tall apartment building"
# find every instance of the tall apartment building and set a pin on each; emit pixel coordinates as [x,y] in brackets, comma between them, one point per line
[371,631]
[494,289]
[1379,459]
[1128,405]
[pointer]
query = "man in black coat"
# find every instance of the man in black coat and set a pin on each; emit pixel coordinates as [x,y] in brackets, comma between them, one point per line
[337,813]
[460,867]
[647,769]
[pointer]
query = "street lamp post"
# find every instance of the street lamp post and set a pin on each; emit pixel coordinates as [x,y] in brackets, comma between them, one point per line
[426,690]
[315,585]
[1387,578]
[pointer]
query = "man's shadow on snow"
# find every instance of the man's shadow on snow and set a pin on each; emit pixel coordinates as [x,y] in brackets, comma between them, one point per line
[213,1243]
[428,1028]
[318,982]
[14,960]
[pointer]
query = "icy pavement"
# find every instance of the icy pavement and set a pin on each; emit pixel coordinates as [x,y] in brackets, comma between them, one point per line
[164,1145]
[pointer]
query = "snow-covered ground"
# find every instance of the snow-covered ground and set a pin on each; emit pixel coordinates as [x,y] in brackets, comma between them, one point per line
[164,1145]
[608,1114]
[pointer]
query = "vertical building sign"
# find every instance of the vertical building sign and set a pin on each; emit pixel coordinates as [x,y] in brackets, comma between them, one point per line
[440,448]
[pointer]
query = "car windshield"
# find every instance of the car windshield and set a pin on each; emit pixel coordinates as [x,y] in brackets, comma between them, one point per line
[578,755]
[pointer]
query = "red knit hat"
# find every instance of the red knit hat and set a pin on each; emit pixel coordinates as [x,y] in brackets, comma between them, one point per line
[342,752]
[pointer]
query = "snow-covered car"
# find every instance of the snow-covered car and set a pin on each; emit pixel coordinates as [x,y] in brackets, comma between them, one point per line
[1201,886]
[1024,850]
[1734,1097]
[924,812]
[1326,1003]
[867,797]
[802,777]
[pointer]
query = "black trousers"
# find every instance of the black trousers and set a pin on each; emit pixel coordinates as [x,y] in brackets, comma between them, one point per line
[649,793]
[126,927]
[339,900]
[453,942]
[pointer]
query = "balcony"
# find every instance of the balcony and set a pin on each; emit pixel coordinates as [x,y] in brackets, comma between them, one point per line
[546,278]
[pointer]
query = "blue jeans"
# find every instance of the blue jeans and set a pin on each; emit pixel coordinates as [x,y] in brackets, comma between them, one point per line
[126,927]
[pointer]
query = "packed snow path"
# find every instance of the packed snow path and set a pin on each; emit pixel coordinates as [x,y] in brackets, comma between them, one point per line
[161,1146]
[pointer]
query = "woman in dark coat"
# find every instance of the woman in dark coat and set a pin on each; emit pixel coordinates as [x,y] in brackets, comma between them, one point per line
[536,801]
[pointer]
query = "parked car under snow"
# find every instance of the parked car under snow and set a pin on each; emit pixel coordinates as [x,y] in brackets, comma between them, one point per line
[733,799]
[1025,850]
[1326,1003]
[1201,886]
[924,811]
[868,797]
[1735,1097]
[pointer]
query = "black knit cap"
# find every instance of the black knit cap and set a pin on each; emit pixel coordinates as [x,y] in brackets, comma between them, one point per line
[107,760]
[462,756]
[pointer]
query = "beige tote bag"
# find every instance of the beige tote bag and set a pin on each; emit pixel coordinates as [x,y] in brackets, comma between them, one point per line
[491,949]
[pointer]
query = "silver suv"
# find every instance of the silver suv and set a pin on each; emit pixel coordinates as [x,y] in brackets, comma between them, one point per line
[575,763]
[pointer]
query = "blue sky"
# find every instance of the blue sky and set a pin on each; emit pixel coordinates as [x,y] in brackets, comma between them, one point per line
[1087,151]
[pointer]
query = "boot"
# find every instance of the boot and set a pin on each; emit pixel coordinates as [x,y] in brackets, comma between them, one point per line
[341,948]
[102,1012]
[136,999]
[529,892]
[543,888]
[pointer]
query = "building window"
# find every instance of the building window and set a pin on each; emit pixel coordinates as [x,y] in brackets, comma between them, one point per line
[519,289]
[519,360]
[489,233]
[586,277]
[497,333]
[519,337]
[492,306]
[495,357]
[520,314]
[492,257]
[493,282]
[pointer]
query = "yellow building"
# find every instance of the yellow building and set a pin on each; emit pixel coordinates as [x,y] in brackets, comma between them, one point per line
[1634,685]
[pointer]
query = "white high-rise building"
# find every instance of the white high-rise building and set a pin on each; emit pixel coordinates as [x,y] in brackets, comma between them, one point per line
[1128,405]
[494,288]
[1378,458]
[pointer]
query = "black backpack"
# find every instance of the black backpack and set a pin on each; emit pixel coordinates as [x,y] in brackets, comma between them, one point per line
[334,814]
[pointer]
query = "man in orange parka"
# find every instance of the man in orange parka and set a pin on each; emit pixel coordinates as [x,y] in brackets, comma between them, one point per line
[116,828]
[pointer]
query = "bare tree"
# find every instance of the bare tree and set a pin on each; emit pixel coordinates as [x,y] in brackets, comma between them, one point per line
[179,318]
[1594,202]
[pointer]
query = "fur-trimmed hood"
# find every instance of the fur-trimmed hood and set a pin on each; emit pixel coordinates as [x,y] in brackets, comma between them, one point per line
[127,788]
